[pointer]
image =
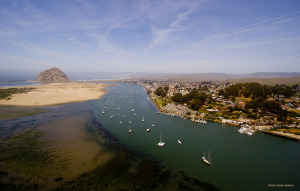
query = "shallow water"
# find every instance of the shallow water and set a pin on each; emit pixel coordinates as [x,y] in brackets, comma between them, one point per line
[240,162]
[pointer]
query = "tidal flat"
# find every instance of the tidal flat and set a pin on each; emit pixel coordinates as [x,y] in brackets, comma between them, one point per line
[67,149]
[8,113]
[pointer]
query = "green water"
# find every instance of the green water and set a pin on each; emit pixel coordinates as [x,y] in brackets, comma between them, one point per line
[240,161]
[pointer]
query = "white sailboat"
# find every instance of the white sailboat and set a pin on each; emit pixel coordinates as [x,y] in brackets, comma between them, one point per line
[179,142]
[153,124]
[130,130]
[160,144]
[207,160]
[143,119]
[148,130]
[120,122]
[111,116]
[103,111]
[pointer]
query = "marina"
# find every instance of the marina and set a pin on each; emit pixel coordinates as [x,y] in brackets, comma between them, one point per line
[234,152]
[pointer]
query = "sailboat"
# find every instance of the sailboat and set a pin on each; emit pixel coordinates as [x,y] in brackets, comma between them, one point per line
[153,124]
[130,130]
[148,130]
[120,122]
[207,160]
[160,144]
[143,119]
[103,111]
[179,142]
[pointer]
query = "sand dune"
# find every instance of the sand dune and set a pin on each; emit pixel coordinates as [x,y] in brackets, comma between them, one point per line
[57,93]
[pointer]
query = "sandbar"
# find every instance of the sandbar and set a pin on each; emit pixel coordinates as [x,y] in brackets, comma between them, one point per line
[56,93]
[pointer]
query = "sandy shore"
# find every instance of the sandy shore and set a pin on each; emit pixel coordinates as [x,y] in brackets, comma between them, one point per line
[57,93]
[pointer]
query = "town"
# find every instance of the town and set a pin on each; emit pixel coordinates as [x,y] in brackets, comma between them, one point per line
[251,106]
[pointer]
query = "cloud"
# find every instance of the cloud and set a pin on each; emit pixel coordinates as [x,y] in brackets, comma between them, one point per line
[260,24]
[175,25]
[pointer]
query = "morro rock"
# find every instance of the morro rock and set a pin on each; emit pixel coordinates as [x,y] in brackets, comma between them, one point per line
[52,75]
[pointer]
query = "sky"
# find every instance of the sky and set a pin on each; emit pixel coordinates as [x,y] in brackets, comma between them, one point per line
[155,36]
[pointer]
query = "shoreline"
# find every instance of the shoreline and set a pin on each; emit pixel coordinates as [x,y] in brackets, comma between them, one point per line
[285,135]
[280,134]
[51,94]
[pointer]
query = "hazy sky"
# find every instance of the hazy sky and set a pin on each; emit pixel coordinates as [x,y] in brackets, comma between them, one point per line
[178,36]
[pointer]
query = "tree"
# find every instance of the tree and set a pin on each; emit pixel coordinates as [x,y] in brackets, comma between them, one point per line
[160,92]
[221,92]
[166,88]
[195,104]
[177,97]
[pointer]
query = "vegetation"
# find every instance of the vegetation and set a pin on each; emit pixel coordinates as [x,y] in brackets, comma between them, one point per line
[263,98]
[28,153]
[7,93]
[7,113]
[256,90]
[194,99]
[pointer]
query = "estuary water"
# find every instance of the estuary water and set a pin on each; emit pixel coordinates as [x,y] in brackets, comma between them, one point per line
[240,161]
[18,83]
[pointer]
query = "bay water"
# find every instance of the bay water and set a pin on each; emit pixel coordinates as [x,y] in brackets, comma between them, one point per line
[240,161]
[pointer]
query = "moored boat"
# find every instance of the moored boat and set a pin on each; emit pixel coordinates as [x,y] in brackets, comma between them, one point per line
[207,160]
[160,143]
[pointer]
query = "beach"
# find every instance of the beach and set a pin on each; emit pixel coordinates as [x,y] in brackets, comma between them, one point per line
[56,93]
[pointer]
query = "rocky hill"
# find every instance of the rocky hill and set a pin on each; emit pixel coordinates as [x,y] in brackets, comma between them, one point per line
[52,75]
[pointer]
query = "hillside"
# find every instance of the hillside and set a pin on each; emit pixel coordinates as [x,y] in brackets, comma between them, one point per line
[267,81]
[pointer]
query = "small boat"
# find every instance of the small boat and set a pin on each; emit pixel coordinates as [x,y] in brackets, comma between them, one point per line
[124,116]
[250,132]
[135,114]
[242,130]
[207,160]
[148,130]
[179,142]
[111,116]
[129,121]
[160,143]
[132,110]
[153,124]
[120,122]
[143,119]
[103,111]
